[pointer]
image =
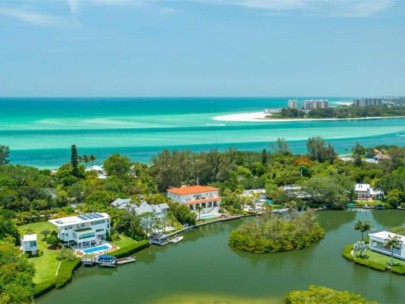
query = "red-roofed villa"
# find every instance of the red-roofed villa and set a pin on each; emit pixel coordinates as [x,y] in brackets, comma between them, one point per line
[193,196]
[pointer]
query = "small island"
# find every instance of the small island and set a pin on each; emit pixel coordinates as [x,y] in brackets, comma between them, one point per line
[277,232]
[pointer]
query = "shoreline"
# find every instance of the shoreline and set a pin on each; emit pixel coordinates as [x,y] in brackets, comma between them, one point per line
[261,117]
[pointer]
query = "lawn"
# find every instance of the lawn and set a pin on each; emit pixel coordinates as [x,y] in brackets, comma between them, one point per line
[123,242]
[381,258]
[46,264]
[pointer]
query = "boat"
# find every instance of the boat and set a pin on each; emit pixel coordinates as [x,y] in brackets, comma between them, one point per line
[176,239]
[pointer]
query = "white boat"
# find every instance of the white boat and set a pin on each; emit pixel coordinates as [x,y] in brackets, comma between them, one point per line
[176,239]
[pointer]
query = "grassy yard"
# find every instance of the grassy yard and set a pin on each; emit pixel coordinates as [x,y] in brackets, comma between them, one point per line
[123,242]
[45,265]
[381,258]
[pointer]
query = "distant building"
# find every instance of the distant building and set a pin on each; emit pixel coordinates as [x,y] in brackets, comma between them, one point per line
[29,243]
[314,104]
[364,191]
[193,196]
[377,243]
[84,230]
[365,102]
[293,104]
[158,210]
[122,203]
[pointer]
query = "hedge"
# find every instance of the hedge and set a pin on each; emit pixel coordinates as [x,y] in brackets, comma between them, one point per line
[130,249]
[65,272]
[43,288]
[398,270]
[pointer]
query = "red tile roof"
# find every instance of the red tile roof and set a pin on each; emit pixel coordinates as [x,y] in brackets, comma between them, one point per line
[191,190]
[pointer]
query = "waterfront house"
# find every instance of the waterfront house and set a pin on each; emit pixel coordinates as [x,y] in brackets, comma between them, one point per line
[101,174]
[364,191]
[158,210]
[193,196]
[377,243]
[29,244]
[84,230]
[122,203]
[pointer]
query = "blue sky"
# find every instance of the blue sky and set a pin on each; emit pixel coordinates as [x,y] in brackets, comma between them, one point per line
[202,47]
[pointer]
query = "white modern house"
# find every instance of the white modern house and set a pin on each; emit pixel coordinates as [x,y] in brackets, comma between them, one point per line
[29,243]
[378,239]
[101,174]
[364,191]
[84,230]
[193,196]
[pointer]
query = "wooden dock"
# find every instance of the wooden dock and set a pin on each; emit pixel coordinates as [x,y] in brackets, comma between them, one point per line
[126,260]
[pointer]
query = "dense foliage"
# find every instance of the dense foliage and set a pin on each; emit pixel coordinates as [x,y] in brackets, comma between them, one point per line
[274,233]
[344,112]
[320,294]
[16,274]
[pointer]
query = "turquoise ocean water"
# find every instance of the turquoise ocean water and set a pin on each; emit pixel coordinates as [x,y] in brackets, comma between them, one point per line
[40,131]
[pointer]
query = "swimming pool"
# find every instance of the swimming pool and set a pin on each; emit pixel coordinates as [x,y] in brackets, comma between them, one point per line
[96,249]
[207,216]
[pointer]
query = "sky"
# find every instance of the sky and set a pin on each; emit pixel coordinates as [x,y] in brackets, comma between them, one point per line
[202,48]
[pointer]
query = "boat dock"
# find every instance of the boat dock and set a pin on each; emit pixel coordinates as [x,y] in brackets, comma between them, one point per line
[107,261]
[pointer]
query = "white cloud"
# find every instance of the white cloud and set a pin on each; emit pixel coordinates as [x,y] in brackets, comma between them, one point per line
[345,8]
[73,5]
[364,8]
[262,4]
[168,10]
[30,16]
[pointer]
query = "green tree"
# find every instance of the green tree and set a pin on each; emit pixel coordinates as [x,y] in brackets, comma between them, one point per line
[8,228]
[318,150]
[392,243]
[92,158]
[16,275]
[117,165]
[199,209]
[86,159]
[74,161]
[362,226]
[394,197]
[45,233]
[4,155]
[320,294]
[281,146]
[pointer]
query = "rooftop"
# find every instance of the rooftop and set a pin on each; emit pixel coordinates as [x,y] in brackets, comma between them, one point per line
[386,234]
[79,219]
[29,237]
[191,190]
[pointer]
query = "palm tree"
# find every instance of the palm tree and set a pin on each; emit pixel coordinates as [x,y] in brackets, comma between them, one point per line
[86,159]
[391,243]
[362,227]
[45,233]
[199,208]
[92,158]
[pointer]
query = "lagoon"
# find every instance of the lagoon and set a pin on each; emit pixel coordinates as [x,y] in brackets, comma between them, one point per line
[204,269]
[40,131]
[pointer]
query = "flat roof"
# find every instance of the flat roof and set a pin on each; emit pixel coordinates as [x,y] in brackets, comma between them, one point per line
[79,219]
[191,190]
[386,234]
[29,237]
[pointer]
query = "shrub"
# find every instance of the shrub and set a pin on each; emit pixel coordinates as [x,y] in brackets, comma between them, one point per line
[320,294]
[347,252]
[130,249]
[398,270]
[43,288]
[65,272]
